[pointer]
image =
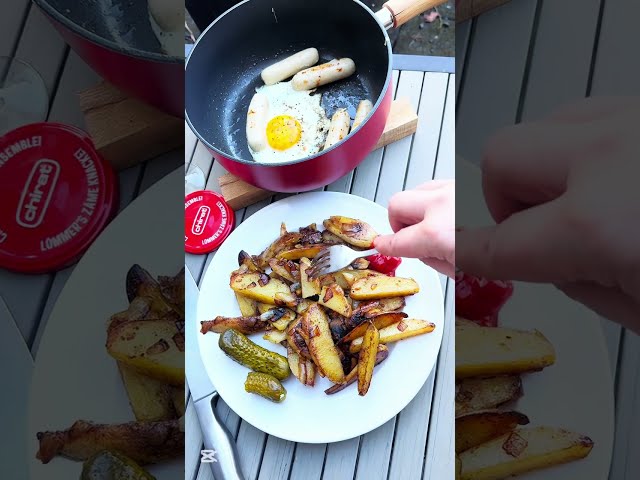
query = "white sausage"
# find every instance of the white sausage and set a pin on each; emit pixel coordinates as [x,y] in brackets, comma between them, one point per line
[339,127]
[257,122]
[290,66]
[322,74]
[364,107]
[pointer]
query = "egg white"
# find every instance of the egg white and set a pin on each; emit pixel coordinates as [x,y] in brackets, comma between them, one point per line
[306,109]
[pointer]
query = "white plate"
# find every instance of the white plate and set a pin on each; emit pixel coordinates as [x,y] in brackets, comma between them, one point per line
[74,377]
[575,393]
[308,414]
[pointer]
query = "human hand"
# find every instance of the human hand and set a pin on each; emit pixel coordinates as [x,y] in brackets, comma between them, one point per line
[424,222]
[564,193]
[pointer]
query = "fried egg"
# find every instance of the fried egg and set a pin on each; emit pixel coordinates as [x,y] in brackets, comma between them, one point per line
[294,124]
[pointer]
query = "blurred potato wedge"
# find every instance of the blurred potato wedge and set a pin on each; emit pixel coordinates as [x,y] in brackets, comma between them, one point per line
[306,251]
[178,398]
[333,298]
[275,336]
[302,368]
[262,288]
[246,325]
[323,351]
[477,428]
[488,351]
[374,287]
[152,347]
[352,376]
[476,394]
[354,232]
[406,328]
[248,307]
[349,277]
[380,322]
[285,242]
[150,399]
[297,338]
[523,450]
[373,308]
[287,269]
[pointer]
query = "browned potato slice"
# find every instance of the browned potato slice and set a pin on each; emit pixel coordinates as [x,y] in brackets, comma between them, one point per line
[323,351]
[381,355]
[275,336]
[249,262]
[331,278]
[333,297]
[287,269]
[264,307]
[409,327]
[475,394]
[309,287]
[260,287]
[302,306]
[297,338]
[477,428]
[329,238]
[348,277]
[487,351]
[303,369]
[370,288]
[246,325]
[140,283]
[152,347]
[283,318]
[360,264]
[284,242]
[373,308]
[248,307]
[352,231]
[367,358]
[380,322]
[306,251]
[523,450]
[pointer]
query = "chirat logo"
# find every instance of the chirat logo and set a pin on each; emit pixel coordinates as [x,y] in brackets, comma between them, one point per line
[200,220]
[37,193]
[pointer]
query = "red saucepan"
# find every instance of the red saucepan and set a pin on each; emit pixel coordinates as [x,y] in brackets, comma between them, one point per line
[224,69]
[116,39]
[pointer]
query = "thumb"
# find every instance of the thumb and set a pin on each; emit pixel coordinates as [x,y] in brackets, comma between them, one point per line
[408,242]
[533,245]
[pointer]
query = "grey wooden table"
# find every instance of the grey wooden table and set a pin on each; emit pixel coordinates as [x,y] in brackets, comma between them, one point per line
[418,442]
[547,54]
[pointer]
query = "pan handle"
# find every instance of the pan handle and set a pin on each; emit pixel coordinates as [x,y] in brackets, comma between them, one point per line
[398,12]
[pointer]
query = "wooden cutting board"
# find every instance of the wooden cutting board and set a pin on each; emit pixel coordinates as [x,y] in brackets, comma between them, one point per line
[402,122]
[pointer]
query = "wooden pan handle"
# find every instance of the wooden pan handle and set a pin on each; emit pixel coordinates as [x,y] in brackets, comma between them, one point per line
[404,10]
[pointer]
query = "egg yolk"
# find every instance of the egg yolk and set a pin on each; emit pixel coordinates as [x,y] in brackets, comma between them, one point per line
[283,132]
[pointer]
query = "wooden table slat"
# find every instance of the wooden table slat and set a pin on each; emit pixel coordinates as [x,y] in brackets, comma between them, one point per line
[308,461]
[11,22]
[193,442]
[251,444]
[277,459]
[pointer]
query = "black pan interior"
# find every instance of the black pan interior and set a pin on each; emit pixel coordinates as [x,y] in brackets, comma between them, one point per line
[121,25]
[224,68]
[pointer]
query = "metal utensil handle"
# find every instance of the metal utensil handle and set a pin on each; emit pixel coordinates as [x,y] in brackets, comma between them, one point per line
[224,462]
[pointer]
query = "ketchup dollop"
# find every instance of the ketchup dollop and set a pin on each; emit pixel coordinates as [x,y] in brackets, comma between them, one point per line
[479,299]
[384,264]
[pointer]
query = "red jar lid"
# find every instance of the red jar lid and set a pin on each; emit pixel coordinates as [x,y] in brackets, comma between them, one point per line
[57,196]
[208,221]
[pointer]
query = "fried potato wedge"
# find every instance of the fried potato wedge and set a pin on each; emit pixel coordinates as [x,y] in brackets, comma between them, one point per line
[331,278]
[409,327]
[246,325]
[260,287]
[354,232]
[302,306]
[367,358]
[249,262]
[476,394]
[323,351]
[264,307]
[285,242]
[150,399]
[287,269]
[275,336]
[310,287]
[140,283]
[373,308]
[348,277]
[280,317]
[333,297]
[381,356]
[374,287]
[523,450]
[477,428]
[380,322]
[304,251]
[248,306]
[329,238]
[152,347]
[487,351]
[302,368]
